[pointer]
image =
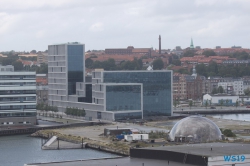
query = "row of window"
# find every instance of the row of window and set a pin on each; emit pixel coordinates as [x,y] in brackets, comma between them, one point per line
[17,77]
[21,99]
[18,107]
[17,114]
[6,92]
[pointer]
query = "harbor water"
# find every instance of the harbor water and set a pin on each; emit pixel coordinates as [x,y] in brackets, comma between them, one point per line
[242,117]
[21,149]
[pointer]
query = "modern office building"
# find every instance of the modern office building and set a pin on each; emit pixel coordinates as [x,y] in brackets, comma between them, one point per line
[66,65]
[17,97]
[109,95]
[156,87]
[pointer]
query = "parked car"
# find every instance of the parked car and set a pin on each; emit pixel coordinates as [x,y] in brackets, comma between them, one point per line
[212,107]
[248,106]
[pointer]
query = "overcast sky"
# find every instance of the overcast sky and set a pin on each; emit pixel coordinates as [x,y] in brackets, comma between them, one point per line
[100,24]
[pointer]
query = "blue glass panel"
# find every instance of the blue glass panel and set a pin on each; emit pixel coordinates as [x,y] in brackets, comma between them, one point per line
[123,97]
[75,67]
[156,89]
[132,115]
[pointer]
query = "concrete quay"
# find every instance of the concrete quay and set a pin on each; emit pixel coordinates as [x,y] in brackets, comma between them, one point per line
[32,129]
[218,110]
[59,144]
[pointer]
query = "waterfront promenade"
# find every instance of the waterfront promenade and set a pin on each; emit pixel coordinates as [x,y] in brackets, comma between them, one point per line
[208,110]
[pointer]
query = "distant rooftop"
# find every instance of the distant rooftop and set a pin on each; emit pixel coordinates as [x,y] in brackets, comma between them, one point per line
[66,43]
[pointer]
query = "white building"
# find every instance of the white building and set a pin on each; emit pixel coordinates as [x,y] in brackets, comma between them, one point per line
[17,97]
[232,86]
[215,99]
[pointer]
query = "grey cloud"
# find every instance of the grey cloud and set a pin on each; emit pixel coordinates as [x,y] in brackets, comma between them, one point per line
[27,25]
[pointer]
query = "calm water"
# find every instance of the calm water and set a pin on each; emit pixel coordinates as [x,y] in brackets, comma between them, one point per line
[20,149]
[243,117]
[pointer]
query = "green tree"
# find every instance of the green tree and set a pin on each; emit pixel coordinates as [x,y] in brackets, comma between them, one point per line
[220,89]
[33,52]
[158,64]
[43,69]
[201,69]
[237,103]
[242,101]
[88,63]
[228,133]
[183,71]
[214,91]
[75,112]
[247,92]
[190,104]
[210,102]
[176,62]
[208,53]
[189,53]
[221,102]
[175,103]
[9,60]
[227,101]
[18,66]
[206,103]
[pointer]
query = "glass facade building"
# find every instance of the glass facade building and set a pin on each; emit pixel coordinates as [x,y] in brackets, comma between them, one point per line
[123,97]
[75,67]
[157,88]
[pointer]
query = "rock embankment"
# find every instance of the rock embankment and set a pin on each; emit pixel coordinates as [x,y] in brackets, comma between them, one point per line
[119,148]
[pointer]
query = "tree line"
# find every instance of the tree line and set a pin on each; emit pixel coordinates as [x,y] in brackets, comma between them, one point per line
[110,64]
[240,55]
[18,66]
[45,107]
[213,69]
[75,111]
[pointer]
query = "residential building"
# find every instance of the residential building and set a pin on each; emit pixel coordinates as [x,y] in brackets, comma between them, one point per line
[194,87]
[232,85]
[179,87]
[17,97]
[42,88]
[42,57]
[129,50]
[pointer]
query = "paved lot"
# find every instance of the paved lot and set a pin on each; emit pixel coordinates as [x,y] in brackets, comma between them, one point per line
[94,132]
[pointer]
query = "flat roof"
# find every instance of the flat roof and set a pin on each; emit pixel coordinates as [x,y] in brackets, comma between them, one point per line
[204,149]
[122,161]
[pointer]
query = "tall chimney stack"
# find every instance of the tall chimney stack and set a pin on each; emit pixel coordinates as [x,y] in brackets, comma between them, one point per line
[159,44]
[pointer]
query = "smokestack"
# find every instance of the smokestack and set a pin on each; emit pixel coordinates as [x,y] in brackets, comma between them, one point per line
[159,44]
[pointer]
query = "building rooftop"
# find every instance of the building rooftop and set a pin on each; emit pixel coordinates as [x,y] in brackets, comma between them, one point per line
[204,149]
[120,161]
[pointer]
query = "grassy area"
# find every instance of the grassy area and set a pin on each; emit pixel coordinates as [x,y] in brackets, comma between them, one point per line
[157,134]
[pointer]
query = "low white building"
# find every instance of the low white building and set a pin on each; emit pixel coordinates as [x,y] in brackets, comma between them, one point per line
[215,99]
[133,137]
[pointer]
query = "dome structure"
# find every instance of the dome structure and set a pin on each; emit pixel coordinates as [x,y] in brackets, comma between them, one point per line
[198,128]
